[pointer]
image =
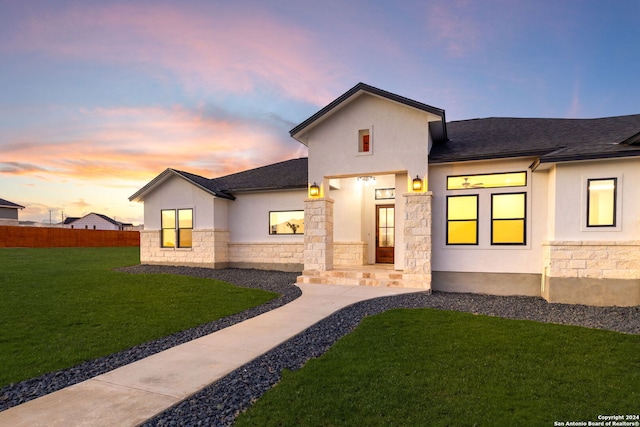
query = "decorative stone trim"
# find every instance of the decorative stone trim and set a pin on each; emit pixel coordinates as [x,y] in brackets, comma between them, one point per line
[592,259]
[349,253]
[417,238]
[209,249]
[266,252]
[318,234]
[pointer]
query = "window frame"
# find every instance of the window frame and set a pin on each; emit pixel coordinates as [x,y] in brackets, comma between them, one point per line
[526,180]
[476,220]
[615,204]
[176,229]
[523,219]
[360,142]
[292,233]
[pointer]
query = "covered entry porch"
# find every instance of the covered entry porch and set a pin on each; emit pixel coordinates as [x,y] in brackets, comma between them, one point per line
[328,221]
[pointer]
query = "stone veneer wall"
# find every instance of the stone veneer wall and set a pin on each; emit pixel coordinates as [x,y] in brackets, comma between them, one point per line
[417,239]
[592,272]
[285,256]
[596,260]
[349,253]
[209,249]
[318,234]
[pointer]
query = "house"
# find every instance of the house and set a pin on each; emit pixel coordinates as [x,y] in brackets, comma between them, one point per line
[95,221]
[9,212]
[506,206]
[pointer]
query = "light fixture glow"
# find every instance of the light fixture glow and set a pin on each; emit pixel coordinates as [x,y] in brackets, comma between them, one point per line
[314,190]
[417,184]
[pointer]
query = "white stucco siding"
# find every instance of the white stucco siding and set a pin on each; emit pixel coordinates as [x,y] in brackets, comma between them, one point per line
[177,193]
[571,200]
[485,257]
[399,137]
[249,215]
[347,210]
[94,222]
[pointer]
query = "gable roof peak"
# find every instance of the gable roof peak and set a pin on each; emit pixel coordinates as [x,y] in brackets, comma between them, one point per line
[440,134]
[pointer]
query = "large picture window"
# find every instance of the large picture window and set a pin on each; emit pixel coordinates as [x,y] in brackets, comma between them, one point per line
[286,222]
[601,202]
[508,219]
[462,220]
[177,228]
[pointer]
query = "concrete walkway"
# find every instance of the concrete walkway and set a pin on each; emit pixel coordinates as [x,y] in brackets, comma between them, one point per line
[129,395]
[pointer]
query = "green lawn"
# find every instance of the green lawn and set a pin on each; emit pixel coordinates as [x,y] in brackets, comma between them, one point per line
[63,306]
[427,367]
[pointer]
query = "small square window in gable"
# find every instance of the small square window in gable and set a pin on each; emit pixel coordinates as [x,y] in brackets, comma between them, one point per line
[364,141]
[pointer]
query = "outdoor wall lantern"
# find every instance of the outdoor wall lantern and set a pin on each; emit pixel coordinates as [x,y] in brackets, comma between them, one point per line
[314,190]
[417,184]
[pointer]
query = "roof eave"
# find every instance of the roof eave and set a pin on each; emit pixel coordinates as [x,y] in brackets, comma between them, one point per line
[259,189]
[595,156]
[487,157]
[158,180]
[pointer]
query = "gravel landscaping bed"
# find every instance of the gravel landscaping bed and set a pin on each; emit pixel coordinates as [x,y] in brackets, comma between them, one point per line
[219,404]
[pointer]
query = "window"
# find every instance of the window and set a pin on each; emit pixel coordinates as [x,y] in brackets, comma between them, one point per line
[601,202]
[462,220]
[286,222]
[508,219]
[177,226]
[364,141]
[494,180]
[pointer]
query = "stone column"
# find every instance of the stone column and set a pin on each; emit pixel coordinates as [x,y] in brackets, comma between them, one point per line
[318,234]
[417,239]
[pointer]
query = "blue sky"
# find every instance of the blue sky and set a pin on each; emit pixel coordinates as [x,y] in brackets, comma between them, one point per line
[99,97]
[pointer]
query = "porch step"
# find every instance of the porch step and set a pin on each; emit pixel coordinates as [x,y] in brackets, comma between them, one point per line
[360,277]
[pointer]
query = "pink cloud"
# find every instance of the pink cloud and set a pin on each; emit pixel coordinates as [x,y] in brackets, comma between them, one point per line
[134,144]
[234,49]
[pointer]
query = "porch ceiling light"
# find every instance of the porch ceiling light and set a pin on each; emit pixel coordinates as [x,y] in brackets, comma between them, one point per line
[417,184]
[314,190]
[367,179]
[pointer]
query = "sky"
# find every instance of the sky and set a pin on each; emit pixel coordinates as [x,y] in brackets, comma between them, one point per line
[99,97]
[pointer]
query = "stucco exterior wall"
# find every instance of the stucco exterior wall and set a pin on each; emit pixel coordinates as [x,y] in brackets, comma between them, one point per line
[177,193]
[570,200]
[93,222]
[485,257]
[398,135]
[248,215]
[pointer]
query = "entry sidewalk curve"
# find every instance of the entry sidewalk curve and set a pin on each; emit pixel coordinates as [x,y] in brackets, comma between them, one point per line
[129,395]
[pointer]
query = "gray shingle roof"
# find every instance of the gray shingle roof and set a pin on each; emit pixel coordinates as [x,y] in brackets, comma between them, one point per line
[7,204]
[289,174]
[278,176]
[550,139]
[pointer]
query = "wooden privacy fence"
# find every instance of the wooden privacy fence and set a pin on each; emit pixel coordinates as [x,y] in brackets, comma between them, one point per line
[44,237]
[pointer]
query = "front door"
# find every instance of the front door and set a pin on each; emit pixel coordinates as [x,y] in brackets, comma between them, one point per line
[385,233]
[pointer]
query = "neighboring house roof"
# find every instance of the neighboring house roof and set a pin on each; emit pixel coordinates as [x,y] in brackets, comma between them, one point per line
[71,220]
[438,129]
[68,220]
[289,174]
[7,204]
[551,140]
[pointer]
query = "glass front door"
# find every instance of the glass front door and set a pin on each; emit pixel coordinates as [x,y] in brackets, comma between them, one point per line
[385,233]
